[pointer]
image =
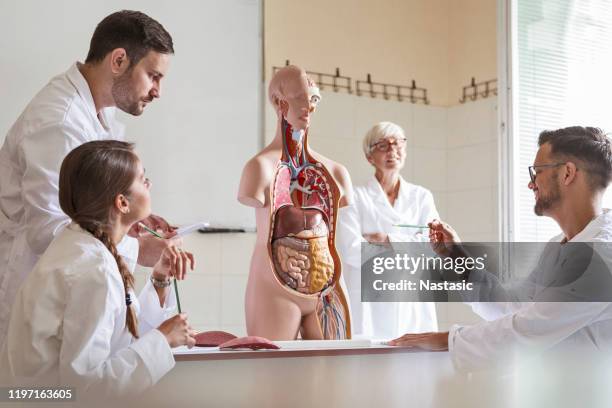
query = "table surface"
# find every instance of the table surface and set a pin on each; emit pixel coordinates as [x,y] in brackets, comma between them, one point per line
[375,375]
[302,375]
[298,348]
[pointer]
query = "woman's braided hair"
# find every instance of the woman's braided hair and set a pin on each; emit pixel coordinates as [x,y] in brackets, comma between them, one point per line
[91,177]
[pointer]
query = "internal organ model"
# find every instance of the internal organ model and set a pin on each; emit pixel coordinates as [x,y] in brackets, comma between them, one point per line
[304,200]
[293,287]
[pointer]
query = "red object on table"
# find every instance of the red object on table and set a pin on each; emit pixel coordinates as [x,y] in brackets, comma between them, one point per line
[250,342]
[213,338]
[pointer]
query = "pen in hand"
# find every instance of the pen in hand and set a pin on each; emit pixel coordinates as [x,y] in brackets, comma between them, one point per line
[411,226]
[150,230]
[178,301]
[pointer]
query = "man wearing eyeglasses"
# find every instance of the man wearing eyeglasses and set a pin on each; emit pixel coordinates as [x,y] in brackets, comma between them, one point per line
[570,174]
[384,202]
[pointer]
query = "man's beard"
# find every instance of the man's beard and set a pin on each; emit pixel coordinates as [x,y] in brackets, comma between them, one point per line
[123,95]
[547,202]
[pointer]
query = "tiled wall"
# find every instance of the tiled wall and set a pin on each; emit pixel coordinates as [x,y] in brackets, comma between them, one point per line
[472,179]
[451,151]
[472,175]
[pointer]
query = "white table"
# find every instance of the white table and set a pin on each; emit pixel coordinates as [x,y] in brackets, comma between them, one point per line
[376,376]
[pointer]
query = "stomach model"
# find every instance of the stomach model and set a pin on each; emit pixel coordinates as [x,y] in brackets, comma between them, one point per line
[302,229]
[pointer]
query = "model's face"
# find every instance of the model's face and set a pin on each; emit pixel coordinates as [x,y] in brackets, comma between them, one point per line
[546,188]
[139,196]
[141,83]
[389,154]
[299,103]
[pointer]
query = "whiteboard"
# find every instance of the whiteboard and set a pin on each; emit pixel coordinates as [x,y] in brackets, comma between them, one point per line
[195,139]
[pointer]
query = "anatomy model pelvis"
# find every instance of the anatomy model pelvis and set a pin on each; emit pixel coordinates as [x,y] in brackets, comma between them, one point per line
[303,199]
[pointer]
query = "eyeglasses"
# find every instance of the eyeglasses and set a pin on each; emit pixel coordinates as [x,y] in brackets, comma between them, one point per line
[532,171]
[384,145]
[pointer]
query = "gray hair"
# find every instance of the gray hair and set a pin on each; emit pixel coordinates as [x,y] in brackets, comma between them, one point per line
[382,130]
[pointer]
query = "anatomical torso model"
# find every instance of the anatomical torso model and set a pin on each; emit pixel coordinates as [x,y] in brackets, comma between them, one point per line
[294,280]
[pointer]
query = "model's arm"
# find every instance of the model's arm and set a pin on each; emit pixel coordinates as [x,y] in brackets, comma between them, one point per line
[251,191]
[343,180]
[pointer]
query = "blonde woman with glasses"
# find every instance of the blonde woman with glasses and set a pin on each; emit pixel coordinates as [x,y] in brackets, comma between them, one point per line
[387,199]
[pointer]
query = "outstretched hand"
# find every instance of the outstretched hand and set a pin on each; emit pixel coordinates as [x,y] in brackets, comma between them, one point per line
[376,237]
[442,237]
[433,341]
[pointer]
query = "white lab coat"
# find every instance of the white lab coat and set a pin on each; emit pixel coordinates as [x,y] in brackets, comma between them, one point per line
[516,329]
[67,326]
[61,117]
[372,212]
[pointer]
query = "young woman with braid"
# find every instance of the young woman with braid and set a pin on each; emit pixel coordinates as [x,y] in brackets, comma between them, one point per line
[76,321]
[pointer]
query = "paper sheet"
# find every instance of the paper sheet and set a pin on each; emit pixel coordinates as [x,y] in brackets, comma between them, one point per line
[188,229]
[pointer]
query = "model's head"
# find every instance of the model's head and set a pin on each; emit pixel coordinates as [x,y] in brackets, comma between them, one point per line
[384,147]
[136,49]
[294,96]
[569,159]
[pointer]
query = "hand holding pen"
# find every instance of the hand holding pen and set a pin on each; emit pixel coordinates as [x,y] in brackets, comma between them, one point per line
[172,263]
[151,248]
[442,237]
[155,223]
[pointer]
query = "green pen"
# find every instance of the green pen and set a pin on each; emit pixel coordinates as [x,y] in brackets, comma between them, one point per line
[178,301]
[411,226]
[150,230]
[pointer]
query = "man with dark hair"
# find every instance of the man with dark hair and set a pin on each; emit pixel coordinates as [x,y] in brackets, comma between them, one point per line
[576,148]
[570,173]
[133,31]
[128,57]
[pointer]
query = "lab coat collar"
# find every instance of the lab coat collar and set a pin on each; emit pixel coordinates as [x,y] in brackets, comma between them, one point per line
[593,228]
[80,83]
[375,190]
[73,226]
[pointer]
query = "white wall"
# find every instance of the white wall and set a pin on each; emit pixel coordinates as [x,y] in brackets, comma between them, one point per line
[207,123]
[472,170]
